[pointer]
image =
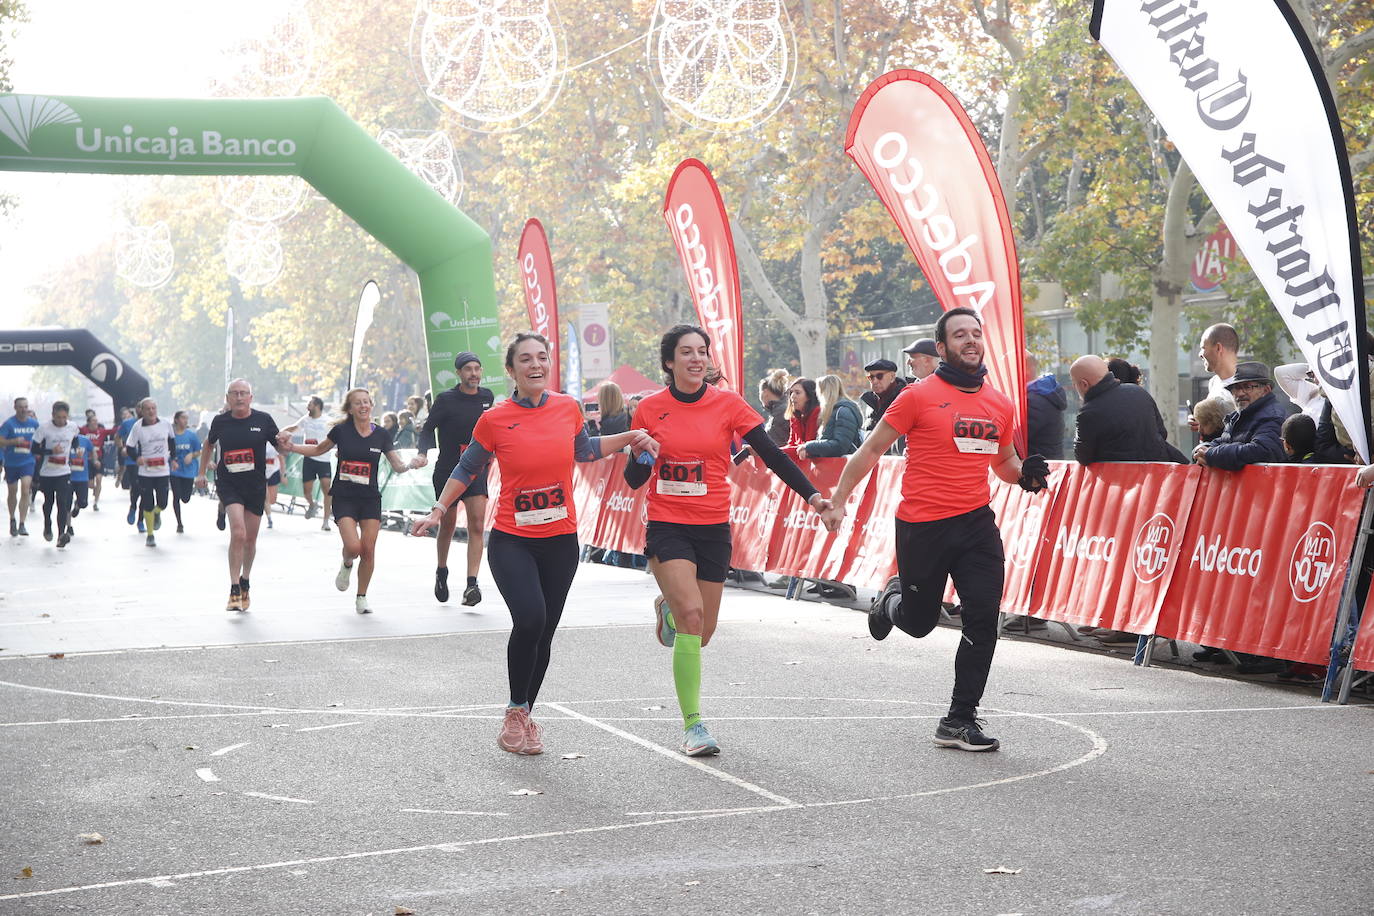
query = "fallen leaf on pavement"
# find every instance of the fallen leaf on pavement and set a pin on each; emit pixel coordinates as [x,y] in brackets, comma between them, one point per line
[90,839]
[26,872]
[791,663]
[692,883]
[527,792]
[737,683]
[404,911]
[57,655]
[1002,870]
[192,747]
[572,756]
[650,707]
[44,615]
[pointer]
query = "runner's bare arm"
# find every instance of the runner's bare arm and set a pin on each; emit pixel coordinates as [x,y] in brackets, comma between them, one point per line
[1007,465]
[206,451]
[309,451]
[452,492]
[858,466]
[398,464]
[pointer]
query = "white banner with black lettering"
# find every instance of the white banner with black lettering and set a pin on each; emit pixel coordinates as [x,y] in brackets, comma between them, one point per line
[1239,89]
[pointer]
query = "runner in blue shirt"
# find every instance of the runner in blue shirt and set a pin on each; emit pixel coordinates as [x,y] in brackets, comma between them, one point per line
[185,464]
[16,435]
[82,460]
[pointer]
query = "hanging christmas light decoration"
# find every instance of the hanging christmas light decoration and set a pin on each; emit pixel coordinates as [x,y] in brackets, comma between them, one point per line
[430,155]
[253,252]
[722,65]
[497,63]
[262,198]
[143,254]
[276,64]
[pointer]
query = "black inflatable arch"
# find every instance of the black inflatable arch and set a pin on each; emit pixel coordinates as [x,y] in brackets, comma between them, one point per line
[83,352]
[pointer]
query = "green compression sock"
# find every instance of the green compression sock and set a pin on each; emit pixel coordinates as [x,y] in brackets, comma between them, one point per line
[687,677]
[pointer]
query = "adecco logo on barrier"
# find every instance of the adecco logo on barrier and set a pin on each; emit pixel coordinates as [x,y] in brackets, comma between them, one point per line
[1314,558]
[1023,547]
[1154,544]
[1072,542]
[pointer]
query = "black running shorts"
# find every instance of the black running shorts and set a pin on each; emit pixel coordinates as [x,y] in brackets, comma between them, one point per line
[478,487]
[252,495]
[357,508]
[315,469]
[708,546]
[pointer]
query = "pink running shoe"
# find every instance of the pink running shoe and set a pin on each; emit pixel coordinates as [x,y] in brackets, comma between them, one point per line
[534,737]
[514,729]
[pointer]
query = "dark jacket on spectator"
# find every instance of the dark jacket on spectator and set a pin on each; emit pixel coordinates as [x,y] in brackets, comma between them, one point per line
[1045,403]
[775,423]
[1329,449]
[878,404]
[1251,436]
[615,423]
[1121,423]
[841,434]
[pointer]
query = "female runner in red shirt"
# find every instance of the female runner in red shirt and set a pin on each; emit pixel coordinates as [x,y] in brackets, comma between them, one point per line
[688,538]
[535,436]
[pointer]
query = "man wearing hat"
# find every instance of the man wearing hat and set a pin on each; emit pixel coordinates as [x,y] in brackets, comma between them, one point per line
[884,385]
[454,414]
[1252,434]
[922,359]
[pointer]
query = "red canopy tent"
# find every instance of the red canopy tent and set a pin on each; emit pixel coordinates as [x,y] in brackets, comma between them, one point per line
[631,381]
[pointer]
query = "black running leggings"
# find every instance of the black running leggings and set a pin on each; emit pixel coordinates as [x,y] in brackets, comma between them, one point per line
[533,576]
[152,492]
[57,491]
[967,548]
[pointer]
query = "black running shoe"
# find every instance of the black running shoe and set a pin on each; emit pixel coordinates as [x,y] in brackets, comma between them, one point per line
[14,528]
[23,532]
[219,520]
[71,531]
[64,538]
[47,530]
[879,624]
[966,736]
[441,583]
[472,595]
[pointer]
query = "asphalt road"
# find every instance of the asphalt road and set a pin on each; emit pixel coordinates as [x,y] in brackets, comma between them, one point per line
[303,759]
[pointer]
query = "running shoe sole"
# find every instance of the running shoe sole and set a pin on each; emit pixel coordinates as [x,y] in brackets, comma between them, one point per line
[957,741]
[664,631]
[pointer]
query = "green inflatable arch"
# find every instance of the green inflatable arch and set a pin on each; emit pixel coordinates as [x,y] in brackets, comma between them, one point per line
[309,137]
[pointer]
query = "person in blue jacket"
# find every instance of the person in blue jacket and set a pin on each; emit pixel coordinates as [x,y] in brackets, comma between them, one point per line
[1253,434]
[838,424]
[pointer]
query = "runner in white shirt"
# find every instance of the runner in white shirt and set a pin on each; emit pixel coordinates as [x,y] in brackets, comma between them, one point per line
[309,431]
[53,445]
[151,444]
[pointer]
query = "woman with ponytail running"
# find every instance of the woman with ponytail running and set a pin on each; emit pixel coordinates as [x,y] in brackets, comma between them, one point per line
[535,436]
[688,538]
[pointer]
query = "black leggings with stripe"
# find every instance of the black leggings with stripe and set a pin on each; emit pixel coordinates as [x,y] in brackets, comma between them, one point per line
[533,576]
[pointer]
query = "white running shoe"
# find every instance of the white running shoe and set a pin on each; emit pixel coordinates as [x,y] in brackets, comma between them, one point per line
[341,579]
[360,605]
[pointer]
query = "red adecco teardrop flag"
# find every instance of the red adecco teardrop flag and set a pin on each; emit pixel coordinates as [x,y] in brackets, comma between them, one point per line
[701,231]
[541,299]
[916,145]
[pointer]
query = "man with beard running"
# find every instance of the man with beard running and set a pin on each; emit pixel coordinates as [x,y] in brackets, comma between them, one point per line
[453,417]
[242,434]
[309,431]
[956,427]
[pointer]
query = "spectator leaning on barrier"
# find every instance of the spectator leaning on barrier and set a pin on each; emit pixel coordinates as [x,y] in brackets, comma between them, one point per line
[1211,417]
[1117,422]
[839,420]
[1300,439]
[884,385]
[773,400]
[803,413]
[611,402]
[405,429]
[1045,403]
[922,359]
[1253,433]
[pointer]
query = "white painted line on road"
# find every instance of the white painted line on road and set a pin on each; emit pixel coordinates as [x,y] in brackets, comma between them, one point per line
[471,813]
[320,728]
[106,696]
[204,715]
[675,756]
[207,774]
[225,750]
[280,798]
[701,811]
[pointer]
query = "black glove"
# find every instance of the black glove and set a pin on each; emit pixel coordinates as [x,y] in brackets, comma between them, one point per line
[1035,472]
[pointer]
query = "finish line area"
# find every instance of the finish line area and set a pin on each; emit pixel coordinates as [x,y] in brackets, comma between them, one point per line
[301,758]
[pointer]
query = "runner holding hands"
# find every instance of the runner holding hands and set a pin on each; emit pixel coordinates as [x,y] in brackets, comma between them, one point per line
[688,538]
[535,436]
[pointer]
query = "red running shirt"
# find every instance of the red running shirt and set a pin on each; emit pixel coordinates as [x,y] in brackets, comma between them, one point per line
[534,446]
[689,485]
[952,438]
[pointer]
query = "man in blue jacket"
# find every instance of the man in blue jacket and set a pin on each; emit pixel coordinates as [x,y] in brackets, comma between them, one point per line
[1253,433]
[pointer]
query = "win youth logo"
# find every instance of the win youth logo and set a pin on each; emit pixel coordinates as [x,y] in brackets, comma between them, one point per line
[1313,561]
[21,115]
[1154,545]
[1027,536]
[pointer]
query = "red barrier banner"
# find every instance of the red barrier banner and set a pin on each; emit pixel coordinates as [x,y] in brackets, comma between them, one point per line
[541,297]
[623,514]
[874,532]
[802,546]
[589,484]
[1362,656]
[1111,543]
[1021,518]
[917,146]
[754,496]
[1253,579]
[701,231]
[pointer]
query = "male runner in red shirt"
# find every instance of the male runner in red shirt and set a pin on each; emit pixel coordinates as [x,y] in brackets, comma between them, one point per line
[956,427]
